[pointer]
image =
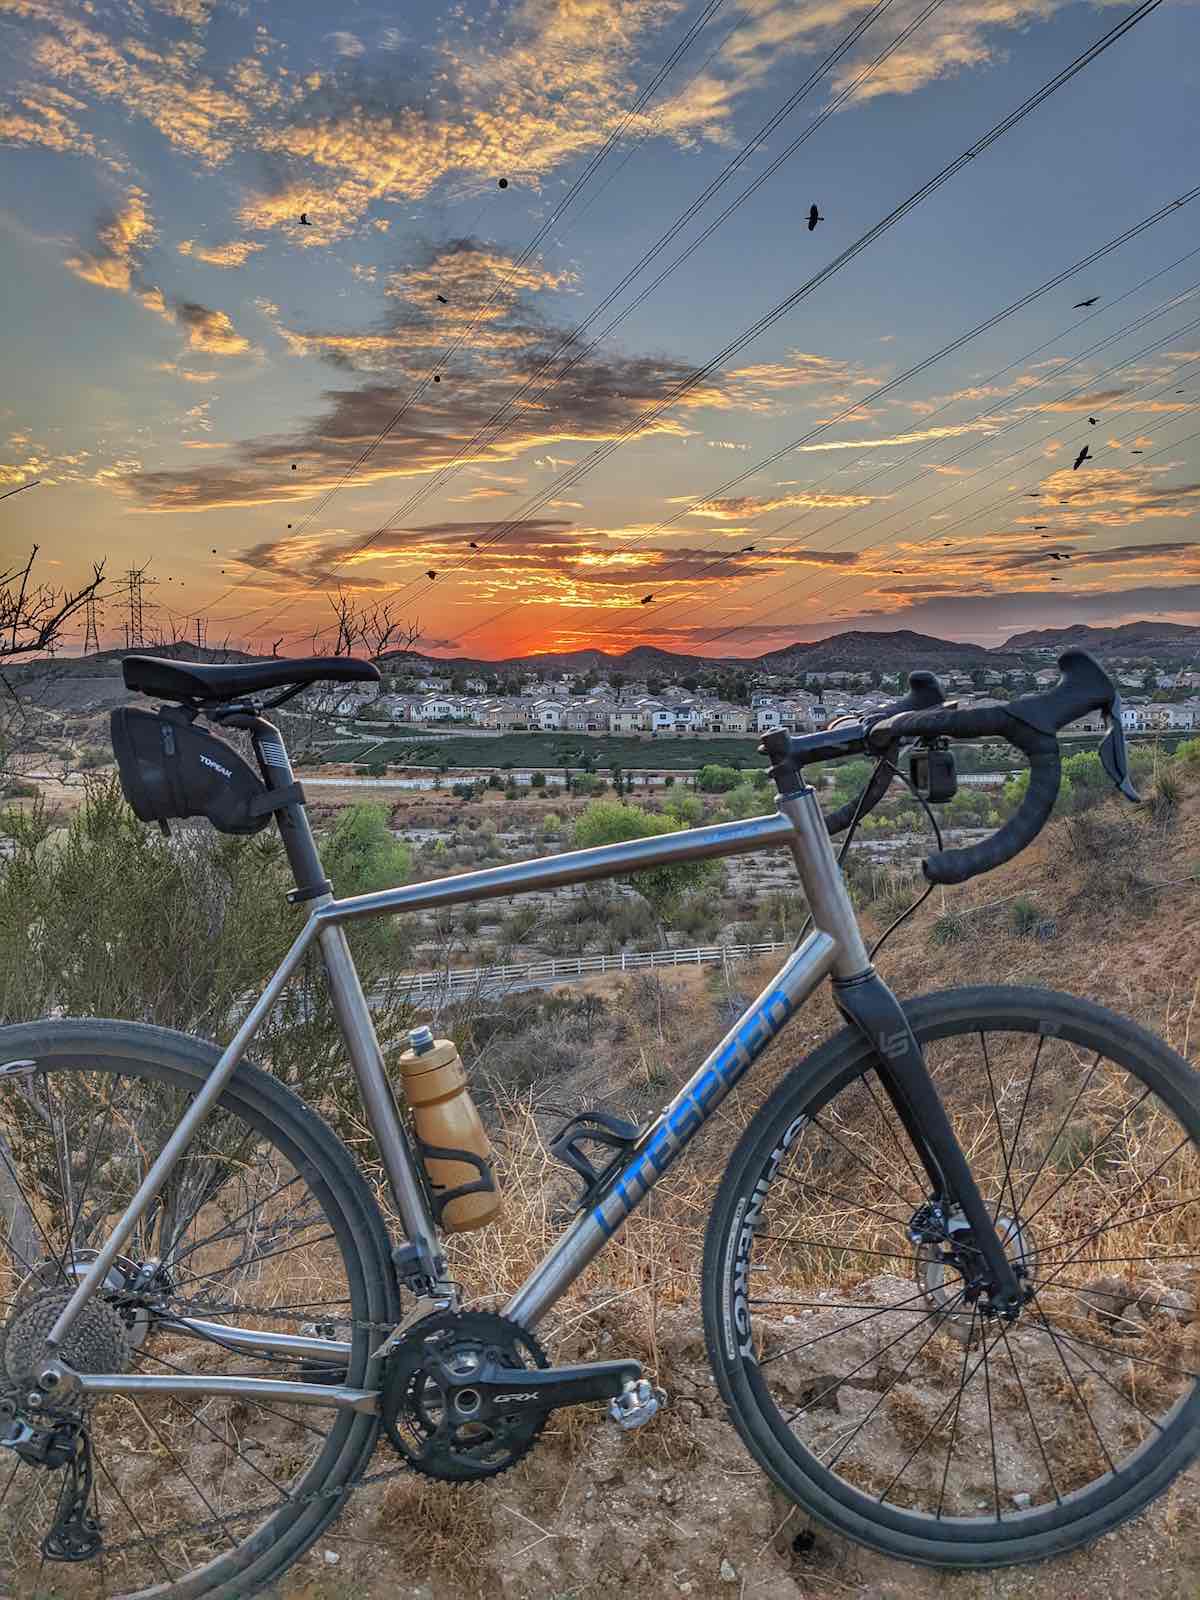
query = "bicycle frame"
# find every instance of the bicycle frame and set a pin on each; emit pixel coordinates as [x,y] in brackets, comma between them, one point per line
[834,949]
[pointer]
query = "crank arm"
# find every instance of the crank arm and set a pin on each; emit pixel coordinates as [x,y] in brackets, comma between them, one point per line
[546,1388]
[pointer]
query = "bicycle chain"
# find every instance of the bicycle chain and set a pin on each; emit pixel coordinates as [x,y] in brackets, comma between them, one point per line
[217,1524]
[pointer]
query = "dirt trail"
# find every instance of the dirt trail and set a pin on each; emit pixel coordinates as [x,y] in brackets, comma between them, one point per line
[679,1509]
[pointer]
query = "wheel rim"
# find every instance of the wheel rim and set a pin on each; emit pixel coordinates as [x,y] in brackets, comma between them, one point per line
[250,1235]
[871,1383]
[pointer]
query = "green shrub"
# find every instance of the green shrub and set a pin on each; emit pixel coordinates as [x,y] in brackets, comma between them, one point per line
[1024,916]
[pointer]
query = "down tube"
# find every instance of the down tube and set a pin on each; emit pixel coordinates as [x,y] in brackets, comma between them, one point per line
[675,1125]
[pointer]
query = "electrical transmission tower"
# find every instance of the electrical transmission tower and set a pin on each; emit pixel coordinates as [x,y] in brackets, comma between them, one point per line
[201,632]
[91,638]
[135,625]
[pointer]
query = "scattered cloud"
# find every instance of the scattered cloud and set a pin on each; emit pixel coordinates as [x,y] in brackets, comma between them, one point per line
[122,238]
[918,436]
[346,44]
[233,254]
[737,508]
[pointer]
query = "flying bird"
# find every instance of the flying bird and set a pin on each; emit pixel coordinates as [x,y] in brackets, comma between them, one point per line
[304,222]
[293,466]
[502,183]
[437,377]
[1038,526]
[1137,452]
[646,599]
[474,546]
[431,573]
[1056,555]
[814,216]
[1053,580]
[1082,305]
[442,301]
[1084,455]
[1092,420]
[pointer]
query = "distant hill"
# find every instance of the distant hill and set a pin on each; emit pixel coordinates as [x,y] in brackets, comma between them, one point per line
[895,651]
[1132,638]
[898,650]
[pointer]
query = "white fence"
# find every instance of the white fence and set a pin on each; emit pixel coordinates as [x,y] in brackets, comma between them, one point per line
[536,972]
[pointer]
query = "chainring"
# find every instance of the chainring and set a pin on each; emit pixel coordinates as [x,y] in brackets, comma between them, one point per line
[418,1416]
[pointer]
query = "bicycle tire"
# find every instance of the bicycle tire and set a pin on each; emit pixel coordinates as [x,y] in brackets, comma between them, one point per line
[808,1088]
[283,1122]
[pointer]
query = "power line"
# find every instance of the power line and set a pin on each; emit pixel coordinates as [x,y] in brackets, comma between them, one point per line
[20,489]
[569,479]
[501,417]
[1004,499]
[593,165]
[1109,339]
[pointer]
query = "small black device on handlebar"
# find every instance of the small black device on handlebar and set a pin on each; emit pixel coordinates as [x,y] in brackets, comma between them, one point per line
[1030,723]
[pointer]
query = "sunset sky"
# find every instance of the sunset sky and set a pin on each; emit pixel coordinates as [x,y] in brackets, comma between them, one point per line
[200,381]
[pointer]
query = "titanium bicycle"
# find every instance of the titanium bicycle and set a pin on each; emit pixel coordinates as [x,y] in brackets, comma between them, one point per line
[206,1326]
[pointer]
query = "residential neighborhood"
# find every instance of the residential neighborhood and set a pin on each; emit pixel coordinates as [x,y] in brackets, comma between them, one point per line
[1152,700]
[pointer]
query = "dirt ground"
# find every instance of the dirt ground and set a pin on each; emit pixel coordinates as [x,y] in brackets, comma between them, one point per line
[678,1508]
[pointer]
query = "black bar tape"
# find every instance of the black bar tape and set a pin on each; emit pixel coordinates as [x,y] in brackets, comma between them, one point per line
[982,722]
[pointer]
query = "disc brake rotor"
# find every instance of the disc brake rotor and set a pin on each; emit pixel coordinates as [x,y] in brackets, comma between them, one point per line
[942,1280]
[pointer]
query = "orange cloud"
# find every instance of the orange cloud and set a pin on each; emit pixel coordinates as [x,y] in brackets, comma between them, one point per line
[120,241]
[233,254]
[735,508]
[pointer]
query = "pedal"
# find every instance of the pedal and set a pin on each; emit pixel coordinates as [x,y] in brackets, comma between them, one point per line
[637,1403]
[593,1127]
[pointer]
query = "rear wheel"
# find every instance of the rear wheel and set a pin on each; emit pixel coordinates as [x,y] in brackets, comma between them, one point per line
[265,1224]
[854,1364]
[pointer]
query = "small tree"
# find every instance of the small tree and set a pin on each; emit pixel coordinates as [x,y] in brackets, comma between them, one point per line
[610,822]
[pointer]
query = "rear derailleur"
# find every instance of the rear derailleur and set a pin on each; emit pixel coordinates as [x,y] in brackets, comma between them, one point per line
[466,1393]
[60,1444]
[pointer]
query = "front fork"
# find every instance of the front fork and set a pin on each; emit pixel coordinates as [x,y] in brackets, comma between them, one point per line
[868,1003]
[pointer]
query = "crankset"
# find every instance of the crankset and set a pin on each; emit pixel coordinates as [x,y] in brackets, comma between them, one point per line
[465,1394]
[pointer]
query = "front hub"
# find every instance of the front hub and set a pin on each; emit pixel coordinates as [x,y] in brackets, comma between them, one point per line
[953,1273]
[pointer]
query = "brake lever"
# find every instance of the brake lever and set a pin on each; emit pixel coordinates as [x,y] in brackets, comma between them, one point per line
[1113,754]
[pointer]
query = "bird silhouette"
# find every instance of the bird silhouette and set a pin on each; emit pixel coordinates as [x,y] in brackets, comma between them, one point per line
[431,573]
[304,222]
[214,549]
[1137,452]
[1034,494]
[293,466]
[1053,580]
[502,183]
[474,546]
[1092,420]
[646,599]
[1082,305]
[437,377]
[814,216]
[1038,526]
[1057,555]
[1084,455]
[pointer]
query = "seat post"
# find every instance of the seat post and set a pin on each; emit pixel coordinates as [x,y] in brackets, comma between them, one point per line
[294,827]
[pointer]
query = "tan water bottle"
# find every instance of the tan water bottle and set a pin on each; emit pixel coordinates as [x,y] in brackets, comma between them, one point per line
[447,1123]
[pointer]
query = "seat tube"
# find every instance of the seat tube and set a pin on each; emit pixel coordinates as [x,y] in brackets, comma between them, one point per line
[294,827]
[395,1149]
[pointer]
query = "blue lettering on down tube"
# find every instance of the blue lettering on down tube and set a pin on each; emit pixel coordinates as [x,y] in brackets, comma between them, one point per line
[693,1107]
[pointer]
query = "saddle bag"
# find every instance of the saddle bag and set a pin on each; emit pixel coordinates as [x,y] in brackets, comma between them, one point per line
[170,769]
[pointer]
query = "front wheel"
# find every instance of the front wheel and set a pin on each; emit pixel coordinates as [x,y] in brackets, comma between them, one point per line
[853,1362]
